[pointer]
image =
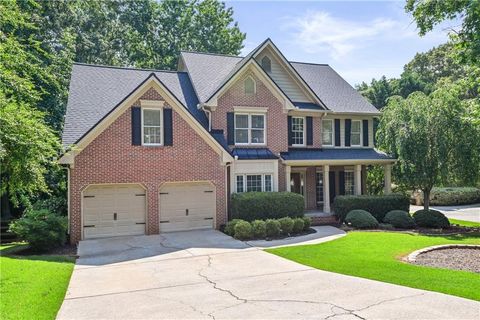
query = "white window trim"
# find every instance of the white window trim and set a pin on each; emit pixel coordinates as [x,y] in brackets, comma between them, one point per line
[161,128]
[353,180]
[249,129]
[332,135]
[360,133]
[254,86]
[303,133]
[255,174]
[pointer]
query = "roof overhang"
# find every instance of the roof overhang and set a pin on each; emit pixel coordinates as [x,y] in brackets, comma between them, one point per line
[338,162]
[152,81]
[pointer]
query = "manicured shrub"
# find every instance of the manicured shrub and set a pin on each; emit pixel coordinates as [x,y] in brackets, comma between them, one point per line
[298,225]
[272,228]
[243,230]
[385,226]
[399,219]
[378,206]
[307,222]
[453,196]
[430,219]
[42,229]
[286,225]
[361,219]
[259,229]
[250,206]
[230,227]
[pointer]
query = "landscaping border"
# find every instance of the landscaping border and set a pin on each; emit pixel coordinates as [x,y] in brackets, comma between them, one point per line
[412,257]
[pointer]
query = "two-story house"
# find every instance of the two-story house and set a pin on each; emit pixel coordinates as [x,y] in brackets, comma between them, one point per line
[153,151]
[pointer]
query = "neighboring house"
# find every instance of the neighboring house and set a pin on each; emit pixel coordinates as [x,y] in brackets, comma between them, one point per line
[153,151]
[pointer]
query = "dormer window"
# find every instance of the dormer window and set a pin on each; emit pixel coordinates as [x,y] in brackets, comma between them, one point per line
[249,86]
[267,64]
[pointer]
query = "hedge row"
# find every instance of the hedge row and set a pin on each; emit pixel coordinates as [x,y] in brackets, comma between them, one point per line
[453,196]
[251,206]
[362,219]
[378,206]
[270,228]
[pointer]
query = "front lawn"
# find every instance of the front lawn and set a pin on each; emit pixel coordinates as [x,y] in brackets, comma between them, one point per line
[464,223]
[375,255]
[32,287]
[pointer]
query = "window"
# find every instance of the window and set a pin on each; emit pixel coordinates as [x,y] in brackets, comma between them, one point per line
[327,132]
[152,126]
[355,133]
[349,183]
[319,187]
[249,86]
[267,64]
[254,182]
[298,131]
[249,129]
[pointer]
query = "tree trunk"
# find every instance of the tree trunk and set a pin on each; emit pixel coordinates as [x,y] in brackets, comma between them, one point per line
[426,199]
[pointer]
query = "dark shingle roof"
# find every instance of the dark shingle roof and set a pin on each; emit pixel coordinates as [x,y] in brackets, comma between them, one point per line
[253,153]
[97,90]
[335,92]
[334,154]
[218,135]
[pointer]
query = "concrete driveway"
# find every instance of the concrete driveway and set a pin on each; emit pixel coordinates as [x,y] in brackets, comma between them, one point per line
[469,212]
[208,275]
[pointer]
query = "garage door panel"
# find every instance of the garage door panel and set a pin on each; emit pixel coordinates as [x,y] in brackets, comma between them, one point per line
[199,199]
[101,204]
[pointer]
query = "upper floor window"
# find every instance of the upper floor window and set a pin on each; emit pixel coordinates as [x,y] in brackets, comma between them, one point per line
[151,126]
[298,131]
[267,64]
[249,84]
[355,133]
[249,128]
[327,132]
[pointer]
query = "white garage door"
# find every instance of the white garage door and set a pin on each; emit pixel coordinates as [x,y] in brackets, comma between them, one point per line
[186,206]
[113,210]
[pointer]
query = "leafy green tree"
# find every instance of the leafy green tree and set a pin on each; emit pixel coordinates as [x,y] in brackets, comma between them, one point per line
[378,92]
[428,14]
[433,139]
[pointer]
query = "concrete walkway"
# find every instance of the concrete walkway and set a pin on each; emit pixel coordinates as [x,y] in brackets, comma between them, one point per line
[208,275]
[469,212]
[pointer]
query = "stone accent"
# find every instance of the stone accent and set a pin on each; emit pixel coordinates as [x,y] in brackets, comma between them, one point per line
[412,257]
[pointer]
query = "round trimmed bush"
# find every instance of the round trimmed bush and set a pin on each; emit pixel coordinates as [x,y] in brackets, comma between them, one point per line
[307,222]
[297,225]
[361,219]
[259,229]
[243,230]
[230,227]
[272,228]
[286,225]
[399,219]
[431,219]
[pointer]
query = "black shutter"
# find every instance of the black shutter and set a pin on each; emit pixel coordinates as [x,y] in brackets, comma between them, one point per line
[309,131]
[348,131]
[337,132]
[167,127]
[230,128]
[365,133]
[341,182]
[136,126]
[289,128]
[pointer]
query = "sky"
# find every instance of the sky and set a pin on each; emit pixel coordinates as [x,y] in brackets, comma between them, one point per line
[360,40]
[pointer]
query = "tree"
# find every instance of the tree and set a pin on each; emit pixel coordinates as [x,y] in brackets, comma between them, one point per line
[428,14]
[433,139]
[377,93]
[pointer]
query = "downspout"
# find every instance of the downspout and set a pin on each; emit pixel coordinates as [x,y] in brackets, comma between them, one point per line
[68,199]
[209,115]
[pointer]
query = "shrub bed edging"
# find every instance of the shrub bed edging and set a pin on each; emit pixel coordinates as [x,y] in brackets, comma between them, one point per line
[412,257]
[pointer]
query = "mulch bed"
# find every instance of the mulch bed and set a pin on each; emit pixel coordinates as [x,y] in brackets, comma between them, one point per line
[467,259]
[65,250]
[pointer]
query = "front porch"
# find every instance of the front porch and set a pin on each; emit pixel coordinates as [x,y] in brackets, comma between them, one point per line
[320,184]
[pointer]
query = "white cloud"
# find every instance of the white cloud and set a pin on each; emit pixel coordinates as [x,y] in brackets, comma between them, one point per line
[319,31]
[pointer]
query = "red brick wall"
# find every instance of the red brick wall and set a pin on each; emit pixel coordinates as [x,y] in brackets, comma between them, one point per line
[111,158]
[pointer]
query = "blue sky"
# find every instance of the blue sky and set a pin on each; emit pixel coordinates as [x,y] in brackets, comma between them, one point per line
[360,40]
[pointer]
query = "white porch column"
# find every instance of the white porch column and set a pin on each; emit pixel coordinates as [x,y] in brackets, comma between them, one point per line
[326,189]
[288,170]
[388,178]
[358,179]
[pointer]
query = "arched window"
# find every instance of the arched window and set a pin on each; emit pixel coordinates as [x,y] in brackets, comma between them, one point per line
[249,86]
[266,64]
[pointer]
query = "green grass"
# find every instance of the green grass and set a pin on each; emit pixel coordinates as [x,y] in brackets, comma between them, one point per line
[375,255]
[464,223]
[32,287]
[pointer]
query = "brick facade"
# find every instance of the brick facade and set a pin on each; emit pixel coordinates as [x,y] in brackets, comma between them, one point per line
[111,158]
